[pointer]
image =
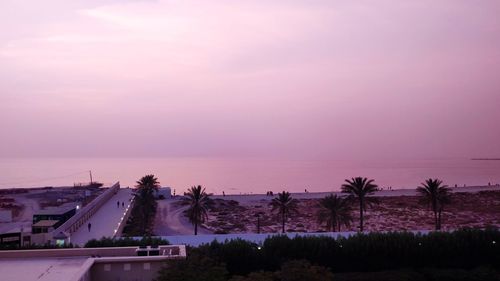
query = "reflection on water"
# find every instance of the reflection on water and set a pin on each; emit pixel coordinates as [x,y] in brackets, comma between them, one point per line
[236,176]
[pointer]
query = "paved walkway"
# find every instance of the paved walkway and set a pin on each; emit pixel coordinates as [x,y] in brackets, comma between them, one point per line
[105,221]
[170,220]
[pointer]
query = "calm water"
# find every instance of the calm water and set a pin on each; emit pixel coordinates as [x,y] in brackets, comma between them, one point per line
[242,175]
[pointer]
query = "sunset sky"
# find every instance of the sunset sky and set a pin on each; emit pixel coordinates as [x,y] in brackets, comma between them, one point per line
[285,79]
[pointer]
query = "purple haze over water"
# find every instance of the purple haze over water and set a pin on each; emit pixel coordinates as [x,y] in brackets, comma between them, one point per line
[243,175]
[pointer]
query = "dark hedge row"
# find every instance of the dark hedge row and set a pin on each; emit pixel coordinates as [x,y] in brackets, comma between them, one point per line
[35,247]
[125,242]
[464,249]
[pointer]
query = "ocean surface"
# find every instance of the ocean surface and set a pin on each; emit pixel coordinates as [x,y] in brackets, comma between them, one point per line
[243,176]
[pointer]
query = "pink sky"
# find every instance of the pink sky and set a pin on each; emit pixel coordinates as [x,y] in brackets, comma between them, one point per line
[285,79]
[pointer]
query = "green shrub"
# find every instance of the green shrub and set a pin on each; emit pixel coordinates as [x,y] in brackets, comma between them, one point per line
[125,242]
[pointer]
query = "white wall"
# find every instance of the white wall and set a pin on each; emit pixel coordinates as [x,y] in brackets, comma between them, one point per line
[5,216]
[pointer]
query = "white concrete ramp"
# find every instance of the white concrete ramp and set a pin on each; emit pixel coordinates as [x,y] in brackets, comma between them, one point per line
[105,220]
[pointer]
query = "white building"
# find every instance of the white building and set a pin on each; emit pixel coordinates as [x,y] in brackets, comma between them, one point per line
[166,192]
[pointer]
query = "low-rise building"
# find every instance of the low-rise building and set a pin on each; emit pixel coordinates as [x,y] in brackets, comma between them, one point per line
[164,193]
[44,219]
[88,264]
[44,226]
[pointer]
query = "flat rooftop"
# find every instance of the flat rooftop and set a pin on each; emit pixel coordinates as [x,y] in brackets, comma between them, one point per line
[45,223]
[55,210]
[15,227]
[43,269]
[73,263]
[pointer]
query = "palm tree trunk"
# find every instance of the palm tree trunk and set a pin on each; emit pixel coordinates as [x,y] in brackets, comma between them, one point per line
[361,215]
[143,221]
[283,222]
[436,222]
[439,219]
[195,228]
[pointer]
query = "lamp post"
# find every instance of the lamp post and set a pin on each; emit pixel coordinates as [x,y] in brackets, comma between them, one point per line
[257,215]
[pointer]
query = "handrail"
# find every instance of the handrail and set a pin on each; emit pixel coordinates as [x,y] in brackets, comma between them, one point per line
[123,220]
[86,212]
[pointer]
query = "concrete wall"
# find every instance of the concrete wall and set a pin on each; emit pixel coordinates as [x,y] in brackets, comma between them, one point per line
[80,252]
[40,238]
[145,270]
[117,263]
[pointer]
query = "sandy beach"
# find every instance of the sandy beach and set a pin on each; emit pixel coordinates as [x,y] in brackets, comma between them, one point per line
[398,210]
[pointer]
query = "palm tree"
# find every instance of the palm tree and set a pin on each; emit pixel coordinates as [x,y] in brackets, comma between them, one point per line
[285,205]
[436,195]
[145,200]
[359,189]
[148,183]
[335,211]
[198,202]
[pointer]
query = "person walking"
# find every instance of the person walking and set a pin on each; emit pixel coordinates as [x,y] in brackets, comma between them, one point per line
[89,226]
[117,204]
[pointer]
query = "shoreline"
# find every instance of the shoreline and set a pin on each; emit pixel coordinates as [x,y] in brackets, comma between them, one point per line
[380,193]
[398,210]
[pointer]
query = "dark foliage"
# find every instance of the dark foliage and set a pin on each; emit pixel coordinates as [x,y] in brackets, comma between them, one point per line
[303,270]
[290,271]
[383,251]
[468,254]
[256,276]
[124,242]
[359,190]
[436,195]
[140,222]
[35,247]
[465,249]
[198,202]
[334,211]
[195,268]
[284,205]
[427,274]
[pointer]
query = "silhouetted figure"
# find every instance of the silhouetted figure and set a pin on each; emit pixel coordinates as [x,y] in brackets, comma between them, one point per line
[89,226]
[123,204]
[223,193]
[117,204]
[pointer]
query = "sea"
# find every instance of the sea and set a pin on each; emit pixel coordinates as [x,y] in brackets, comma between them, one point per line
[244,175]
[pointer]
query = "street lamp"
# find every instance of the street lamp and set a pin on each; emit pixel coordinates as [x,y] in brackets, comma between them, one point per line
[257,215]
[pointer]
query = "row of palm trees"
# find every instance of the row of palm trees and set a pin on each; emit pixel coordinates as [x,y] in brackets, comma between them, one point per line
[336,211]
